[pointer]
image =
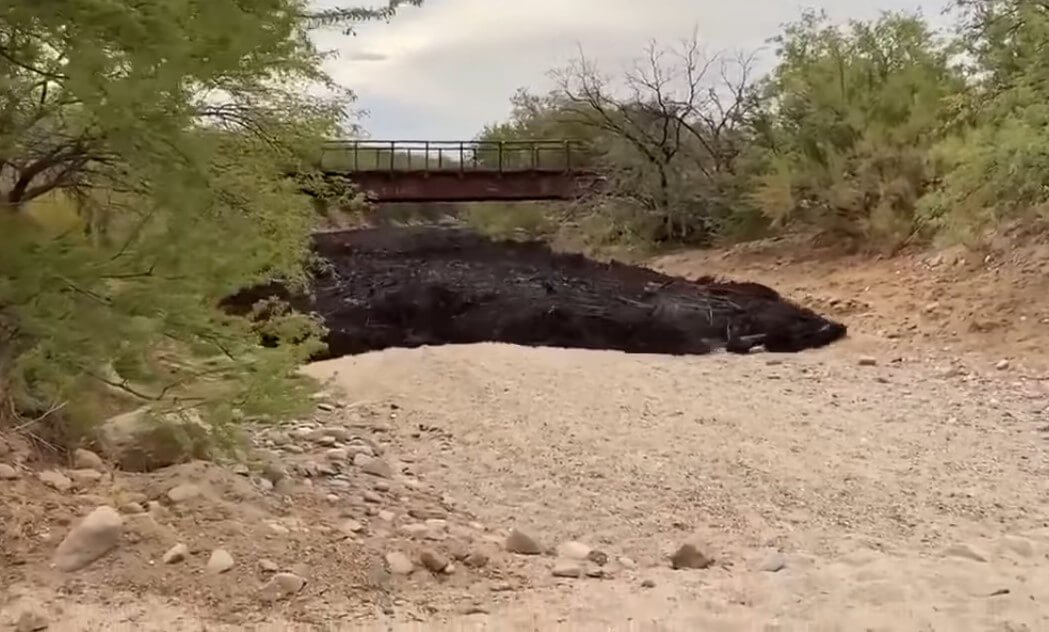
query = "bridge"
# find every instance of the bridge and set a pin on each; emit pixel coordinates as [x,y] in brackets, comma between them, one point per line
[462,171]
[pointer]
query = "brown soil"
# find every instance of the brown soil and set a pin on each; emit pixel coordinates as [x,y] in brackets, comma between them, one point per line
[902,491]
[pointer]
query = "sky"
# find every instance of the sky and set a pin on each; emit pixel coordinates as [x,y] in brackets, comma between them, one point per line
[444,70]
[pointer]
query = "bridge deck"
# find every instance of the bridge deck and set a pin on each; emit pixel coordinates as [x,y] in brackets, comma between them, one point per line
[461,171]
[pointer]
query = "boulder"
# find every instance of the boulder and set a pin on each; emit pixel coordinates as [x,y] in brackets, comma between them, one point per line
[141,441]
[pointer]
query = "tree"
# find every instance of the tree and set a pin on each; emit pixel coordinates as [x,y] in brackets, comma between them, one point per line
[853,114]
[673,133]
[143,148]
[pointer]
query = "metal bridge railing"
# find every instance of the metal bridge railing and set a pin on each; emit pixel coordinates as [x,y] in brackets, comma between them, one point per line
[474,155]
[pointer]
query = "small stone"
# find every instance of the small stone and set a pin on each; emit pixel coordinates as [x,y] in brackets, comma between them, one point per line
[433,561]
[476,559]
[268,566]
[1002,365]
[85,477]
[573,550]
[55,480]
[323,406]
[176,554]
[421,513]
[522,544]
[371,497]
[399,563]
[648,583]
[8,473]
[387,516]
[88,460]
[240,469]
[219,562]
[132,508]
[273,472]
[281,586]
[31,621]
[595,571]
[415,529]
[350,527]
[965,551]
[867,361]
[773,564]
[94,536]
[627,563]
[689,556]
[336,455]
[381,486]
[597,557]
[376,467]
[184,492]
[567,568]
[332,498]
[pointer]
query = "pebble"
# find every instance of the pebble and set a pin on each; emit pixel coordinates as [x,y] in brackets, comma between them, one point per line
[219,562]
[95,535]
[176,554]
[433,561]
[627,563]
[7,473]
[965,551]
[132,508]
[371,497]
[399,563]
[31,621]
[323,406]
[376,467]
[567,568]
[688,555]
[1002,365]
[573,550]
[773,564]
[182,493]
[387,516]
[85,476]
[381,486]
[350,527]
[648,583]
[522,543]
[598,557]
[867,361]
[268,566]
[476,559]
[55,480]
[281,586]
[88,460]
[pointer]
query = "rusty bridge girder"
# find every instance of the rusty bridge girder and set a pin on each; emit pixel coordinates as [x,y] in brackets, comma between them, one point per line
[390,171]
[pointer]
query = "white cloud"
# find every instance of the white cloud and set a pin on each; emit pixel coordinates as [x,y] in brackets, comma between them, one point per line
[449,67]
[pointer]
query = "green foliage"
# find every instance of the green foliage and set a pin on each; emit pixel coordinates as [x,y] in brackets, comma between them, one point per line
[143,153]
[854,112]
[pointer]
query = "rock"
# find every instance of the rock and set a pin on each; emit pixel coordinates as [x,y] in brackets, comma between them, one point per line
[31,621]
[573,550]
[387,516]
[596,572]
[325,407]
[85,477]
[1002,365]
[965,551]
[94,536]
[567,568]
[867,361]
[184,492]
[433,561]
[55,480]
[476,559]
[375,466]
[371,497]
[627,563]
[381,486]
[648,583]
[140,441]
[268,566]
[273,472]
[88,460]
[350,527]
[422,513]
[522,544]
[8,473]
[281,586]
[176,554]
[132,508]
[598,557]
[773,564]
[689,556]
[337,455]
[219,562]
[415,529]
[399,563]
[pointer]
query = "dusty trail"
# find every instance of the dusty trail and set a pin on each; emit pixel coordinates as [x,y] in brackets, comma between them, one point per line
[881,485]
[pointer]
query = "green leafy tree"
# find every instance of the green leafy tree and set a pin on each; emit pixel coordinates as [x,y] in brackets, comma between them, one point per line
[854,113]
[144,148]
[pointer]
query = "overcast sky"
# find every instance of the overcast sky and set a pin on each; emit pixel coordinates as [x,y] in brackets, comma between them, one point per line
[442,71]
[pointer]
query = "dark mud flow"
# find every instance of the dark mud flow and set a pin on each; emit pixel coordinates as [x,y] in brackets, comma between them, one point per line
[411,286]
